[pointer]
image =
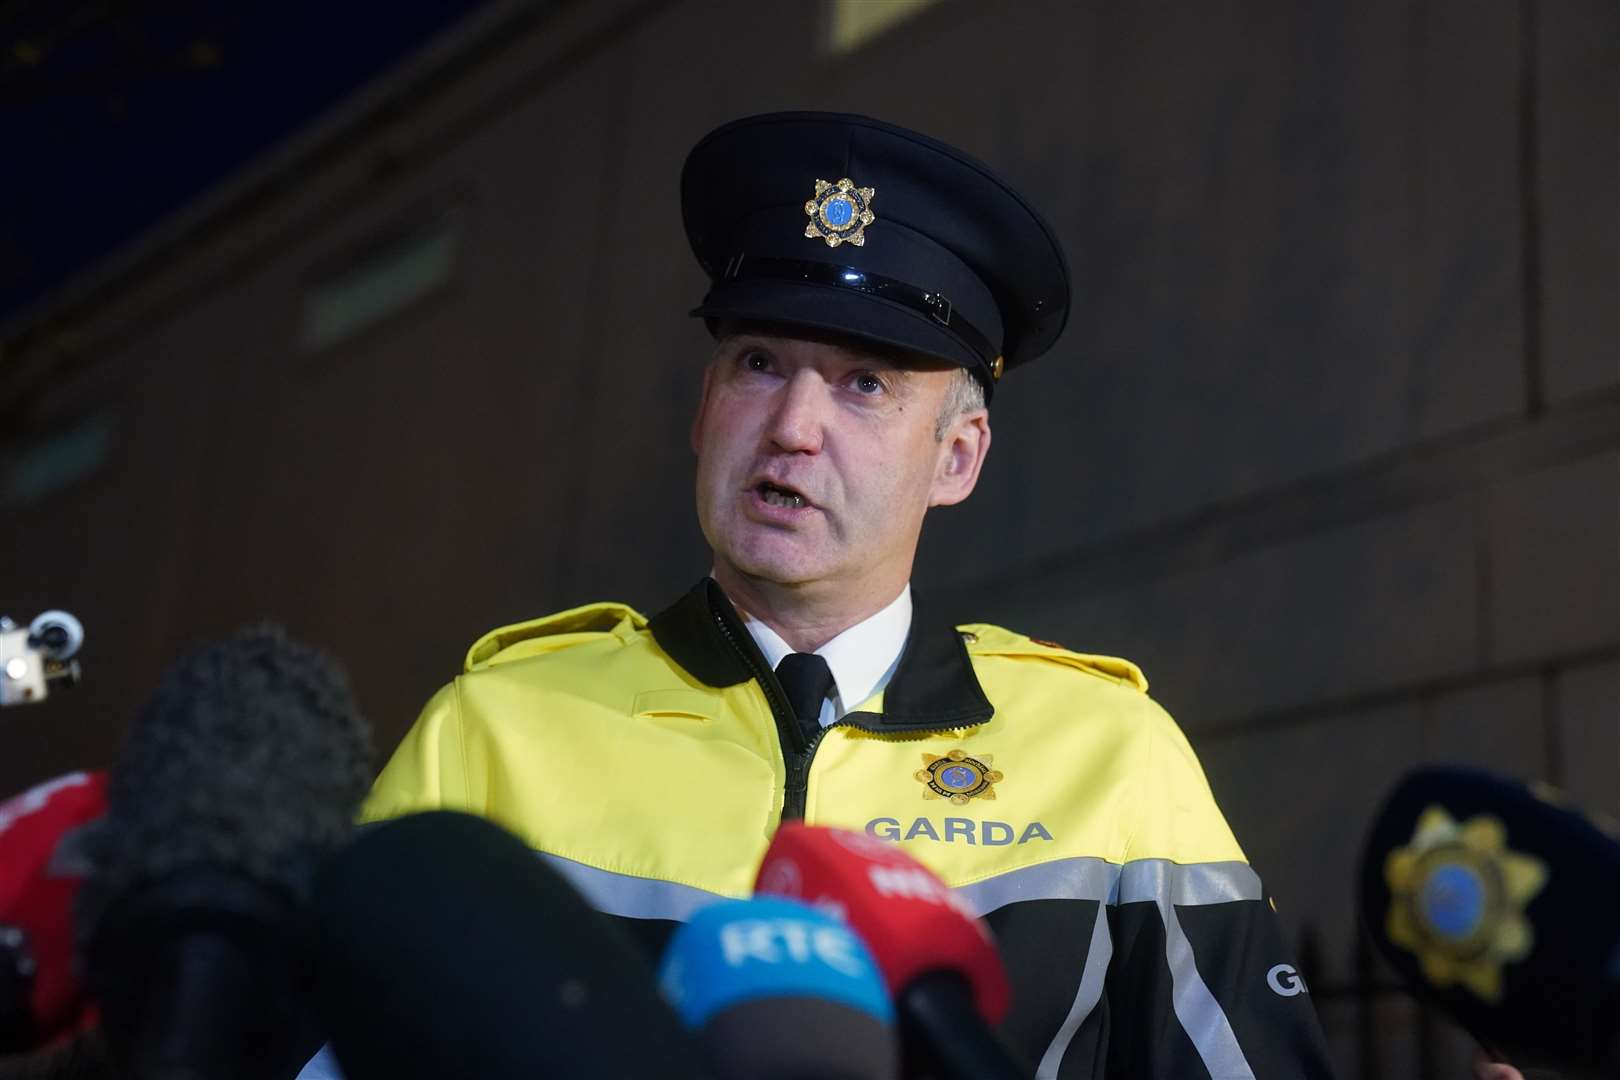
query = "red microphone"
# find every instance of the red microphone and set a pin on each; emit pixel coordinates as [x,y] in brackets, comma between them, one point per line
[939,962]
[40,999]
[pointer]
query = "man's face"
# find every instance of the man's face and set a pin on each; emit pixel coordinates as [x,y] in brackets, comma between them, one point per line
[817,459]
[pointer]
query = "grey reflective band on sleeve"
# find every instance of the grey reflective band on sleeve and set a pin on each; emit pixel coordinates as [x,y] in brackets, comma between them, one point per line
[1082,878]
[1188,885]
[1092,978]
[1090,878]
[1201,1016]
[629,896]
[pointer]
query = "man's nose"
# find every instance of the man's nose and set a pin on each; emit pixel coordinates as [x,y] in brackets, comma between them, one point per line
[801,412]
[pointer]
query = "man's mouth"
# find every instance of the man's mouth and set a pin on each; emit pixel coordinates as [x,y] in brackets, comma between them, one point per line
[776,495]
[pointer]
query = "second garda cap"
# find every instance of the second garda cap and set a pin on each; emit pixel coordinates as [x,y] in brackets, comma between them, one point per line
[843,223]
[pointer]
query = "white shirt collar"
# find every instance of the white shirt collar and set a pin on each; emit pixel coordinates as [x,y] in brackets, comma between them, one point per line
[862,658]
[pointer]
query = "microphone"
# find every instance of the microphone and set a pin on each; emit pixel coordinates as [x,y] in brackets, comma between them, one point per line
[444,946]
[940,965]
[244,768]
[81,1056]
[777,990]
[1501,904]
[40,997]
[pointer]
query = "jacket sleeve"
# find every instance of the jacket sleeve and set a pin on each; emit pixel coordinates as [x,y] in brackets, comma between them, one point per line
[1200,983]
[429,769]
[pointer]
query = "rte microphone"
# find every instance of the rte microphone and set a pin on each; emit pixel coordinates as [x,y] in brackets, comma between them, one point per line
[445,947]
[938,960]
[245,767]
[777,990]
[1501,904]
[40,997]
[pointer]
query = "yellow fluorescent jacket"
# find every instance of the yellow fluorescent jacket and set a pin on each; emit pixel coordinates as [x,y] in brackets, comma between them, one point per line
[645,759]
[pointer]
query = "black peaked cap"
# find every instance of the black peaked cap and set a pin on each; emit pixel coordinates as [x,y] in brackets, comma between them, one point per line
[934,253]
[1559,1001]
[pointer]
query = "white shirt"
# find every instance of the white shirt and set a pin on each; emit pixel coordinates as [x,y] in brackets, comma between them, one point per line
[862,658]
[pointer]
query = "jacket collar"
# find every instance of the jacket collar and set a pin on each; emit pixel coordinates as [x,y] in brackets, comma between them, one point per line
[934,686]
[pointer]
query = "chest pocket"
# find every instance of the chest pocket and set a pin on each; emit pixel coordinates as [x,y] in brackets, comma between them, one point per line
[677,704]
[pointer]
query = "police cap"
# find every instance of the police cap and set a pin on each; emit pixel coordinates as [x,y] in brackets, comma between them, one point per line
[845,223]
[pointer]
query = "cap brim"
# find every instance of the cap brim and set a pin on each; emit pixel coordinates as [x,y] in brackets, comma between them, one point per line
[840,311]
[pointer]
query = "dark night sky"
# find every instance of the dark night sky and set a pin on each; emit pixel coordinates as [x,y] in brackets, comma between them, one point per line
[116,114]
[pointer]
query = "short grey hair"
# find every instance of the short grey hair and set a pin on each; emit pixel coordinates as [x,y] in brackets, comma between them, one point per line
[965,394]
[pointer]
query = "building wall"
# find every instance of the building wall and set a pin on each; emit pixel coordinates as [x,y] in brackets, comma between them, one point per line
[1331,447]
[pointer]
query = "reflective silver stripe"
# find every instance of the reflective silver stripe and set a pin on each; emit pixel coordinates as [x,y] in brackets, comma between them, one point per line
[1188,884]
[1200,1014]
[1083,878]
[1160,882]
[1090,878]
[1085,999]
[630,896]
[323,1066]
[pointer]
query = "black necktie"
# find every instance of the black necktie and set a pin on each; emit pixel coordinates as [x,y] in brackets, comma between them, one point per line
[806,679]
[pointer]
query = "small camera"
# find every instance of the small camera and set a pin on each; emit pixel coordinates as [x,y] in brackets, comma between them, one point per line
[34,659]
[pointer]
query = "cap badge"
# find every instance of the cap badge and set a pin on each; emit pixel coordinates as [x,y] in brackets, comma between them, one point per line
[1457,899]
[958,777]
[839,213]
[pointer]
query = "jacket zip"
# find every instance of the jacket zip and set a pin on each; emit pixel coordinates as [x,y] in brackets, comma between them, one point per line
[798,780]
[798,783]
[796,790]
[787,731]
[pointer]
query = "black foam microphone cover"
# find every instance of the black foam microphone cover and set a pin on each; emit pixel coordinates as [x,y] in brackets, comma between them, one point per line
[446,947]
[81,1056]
[1500,903]
[242,771]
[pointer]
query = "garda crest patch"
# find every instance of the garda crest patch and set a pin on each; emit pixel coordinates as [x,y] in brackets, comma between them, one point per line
[839,213]
[958,777]
[1457,899]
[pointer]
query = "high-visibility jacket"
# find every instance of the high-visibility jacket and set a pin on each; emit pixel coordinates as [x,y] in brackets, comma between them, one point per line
[651,761]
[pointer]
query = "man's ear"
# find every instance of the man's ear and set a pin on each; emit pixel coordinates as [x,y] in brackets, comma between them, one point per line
[703,406]
[961,456]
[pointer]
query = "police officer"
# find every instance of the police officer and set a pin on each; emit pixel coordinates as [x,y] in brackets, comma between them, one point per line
[870,287]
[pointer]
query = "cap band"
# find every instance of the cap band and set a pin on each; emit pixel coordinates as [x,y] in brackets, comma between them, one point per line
[934,305]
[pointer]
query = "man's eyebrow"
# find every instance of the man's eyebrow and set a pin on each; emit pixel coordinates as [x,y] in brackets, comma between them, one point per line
[728,345]
[904,374]
[741,341]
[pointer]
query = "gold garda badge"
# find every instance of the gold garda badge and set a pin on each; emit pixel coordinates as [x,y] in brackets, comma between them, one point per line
[839,213]
[958,777]
[1457,898]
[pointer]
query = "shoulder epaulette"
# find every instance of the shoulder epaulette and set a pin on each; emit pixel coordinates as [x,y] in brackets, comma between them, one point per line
[550,633]
[983,639]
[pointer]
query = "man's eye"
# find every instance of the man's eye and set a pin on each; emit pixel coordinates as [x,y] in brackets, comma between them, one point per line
[867,383]
[756,362]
